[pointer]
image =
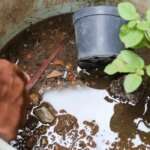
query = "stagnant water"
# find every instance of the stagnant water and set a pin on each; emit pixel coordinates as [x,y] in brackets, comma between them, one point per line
[121,125]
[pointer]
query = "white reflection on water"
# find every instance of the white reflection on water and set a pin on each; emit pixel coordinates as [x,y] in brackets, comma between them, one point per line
[86,104]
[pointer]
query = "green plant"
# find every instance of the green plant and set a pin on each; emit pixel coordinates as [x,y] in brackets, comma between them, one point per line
[133,65]
[134,34]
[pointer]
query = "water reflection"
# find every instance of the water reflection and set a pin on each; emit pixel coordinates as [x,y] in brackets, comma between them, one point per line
[86,104]
[120,124]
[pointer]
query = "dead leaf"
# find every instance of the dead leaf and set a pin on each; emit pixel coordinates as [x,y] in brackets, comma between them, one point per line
[54,74]
[58,62]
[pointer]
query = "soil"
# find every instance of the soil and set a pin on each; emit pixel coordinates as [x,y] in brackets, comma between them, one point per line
[116,90]
[65,124]
[29,50]
[94,128]
[35,45]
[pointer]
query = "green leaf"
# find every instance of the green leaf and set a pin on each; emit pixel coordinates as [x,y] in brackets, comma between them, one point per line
[147,35]
[148,70]
[132,82]
[131,38]
[131,59]
[144,44]
[127,11]
[147,44]
[143,25]
[132,24]
[140,45]
[140,72]
[124,29]
[126,62]
[110,69]
[148,15]
[122,66]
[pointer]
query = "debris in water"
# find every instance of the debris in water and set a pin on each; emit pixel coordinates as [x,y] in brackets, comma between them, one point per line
[29,56]
[93,127]
[35,98]
[31,141]
[69,66]
[32,122]
[58,62]
[78,69]
[58,147]
[65,74]
[45,113]
[43,141]
[54,74]
[65,123]
[117,92]
[41,130]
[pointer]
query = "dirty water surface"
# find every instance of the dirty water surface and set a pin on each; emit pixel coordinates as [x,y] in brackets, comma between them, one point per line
[119,124]
[72,109]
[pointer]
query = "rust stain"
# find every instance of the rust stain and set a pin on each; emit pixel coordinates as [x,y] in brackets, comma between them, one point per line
[13,12]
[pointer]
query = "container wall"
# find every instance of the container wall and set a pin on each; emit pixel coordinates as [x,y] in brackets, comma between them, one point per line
[16,15]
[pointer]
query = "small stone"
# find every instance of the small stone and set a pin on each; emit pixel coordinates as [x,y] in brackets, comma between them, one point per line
[44,113]
[43,141]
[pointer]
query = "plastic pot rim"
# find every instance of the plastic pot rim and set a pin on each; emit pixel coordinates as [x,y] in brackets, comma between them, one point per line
[107,10]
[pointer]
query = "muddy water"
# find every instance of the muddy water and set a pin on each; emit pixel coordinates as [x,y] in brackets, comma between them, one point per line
[86,104]
[121,126]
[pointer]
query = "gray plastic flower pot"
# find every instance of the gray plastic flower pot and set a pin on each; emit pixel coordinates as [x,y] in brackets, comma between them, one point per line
[97,34]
